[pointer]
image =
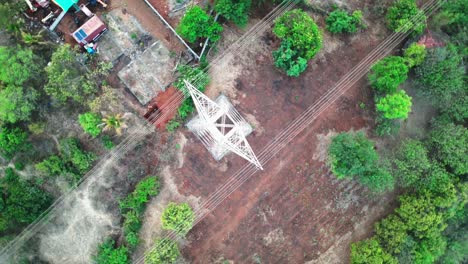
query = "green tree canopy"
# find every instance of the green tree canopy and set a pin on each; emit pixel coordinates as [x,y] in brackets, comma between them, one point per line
[196,24]
[394,106]
[165,251]
[351,154]
[411,163]
[415,54]
[391,232]
[449,145]
[12,140]
[441,75]
[405,15]
[339,21]
[370,252]
[71,151]
[297,27]
[18,66]
[288,59]
[109,254]
[236,11]
[143,191]
[178,217]
[387,74]
[17,103]
[90,123]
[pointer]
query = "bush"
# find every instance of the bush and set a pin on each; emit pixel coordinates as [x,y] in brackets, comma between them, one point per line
[12,140]
[52,166]
[90,123]
[351,154]
[441,75]
[236,11]
[387,74]
[107,142]
[71,151]
[404,15]
[108,254]
[369,251]
[340,21]
[394,106]
[303,34]
[288,60]
[178,217]
[164,251]
[415,54]
[196,24]
[144,190]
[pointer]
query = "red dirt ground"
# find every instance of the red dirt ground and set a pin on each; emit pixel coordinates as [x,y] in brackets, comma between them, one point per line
[294,211]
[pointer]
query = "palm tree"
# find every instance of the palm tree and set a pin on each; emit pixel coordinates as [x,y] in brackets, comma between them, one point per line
[114,122]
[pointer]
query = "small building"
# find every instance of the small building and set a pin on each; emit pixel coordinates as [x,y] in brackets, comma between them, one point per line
[66,4]
[90,31]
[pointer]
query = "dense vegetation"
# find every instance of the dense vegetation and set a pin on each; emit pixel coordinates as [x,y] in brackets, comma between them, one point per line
[430,223]
[164,251]
[301,40]
[178,217]
[404,15]
[340,21]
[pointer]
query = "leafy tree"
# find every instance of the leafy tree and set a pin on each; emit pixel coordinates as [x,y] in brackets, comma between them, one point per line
[18,66]
[351,154]
[12,140]
[415,54]
[196,24]
[394,106]
[297,27]
[452,19]
[370,252]
[429,249]
[449,144]
[377,179]
[456,111]
[441,75]
[10,16]
[236,11]
[90,123]
[17,103]
[411,163]
[196,76]
[391,232]
[164,251]
[178,217]
[420,215]
[339,21]
[108,254]
[144,190]
[289,60]
[23,201]
[387,74]
[66,78]
[404,15]
[72,152]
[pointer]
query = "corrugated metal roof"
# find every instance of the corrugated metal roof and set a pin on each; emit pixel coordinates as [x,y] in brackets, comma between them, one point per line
[65,4]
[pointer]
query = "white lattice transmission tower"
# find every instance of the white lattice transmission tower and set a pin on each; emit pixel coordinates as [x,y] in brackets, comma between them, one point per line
[220,127]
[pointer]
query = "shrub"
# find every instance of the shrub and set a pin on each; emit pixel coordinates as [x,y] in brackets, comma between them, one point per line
[19,165]
[12,140]
[394,106]
[108,254]
[164,251]
[288,60]
[132,239]
[387,74]
[172,125]
[36,128]
[441,75]
[415,54]
[377,179]
[52,166]
[351,154]
[178,217]
[297,27]
[196,24]
[90,123]
[236,11]
[107,142]
[144,190]
[404,15]
[340,21]
[369,251]
[71,151]
[194,75]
